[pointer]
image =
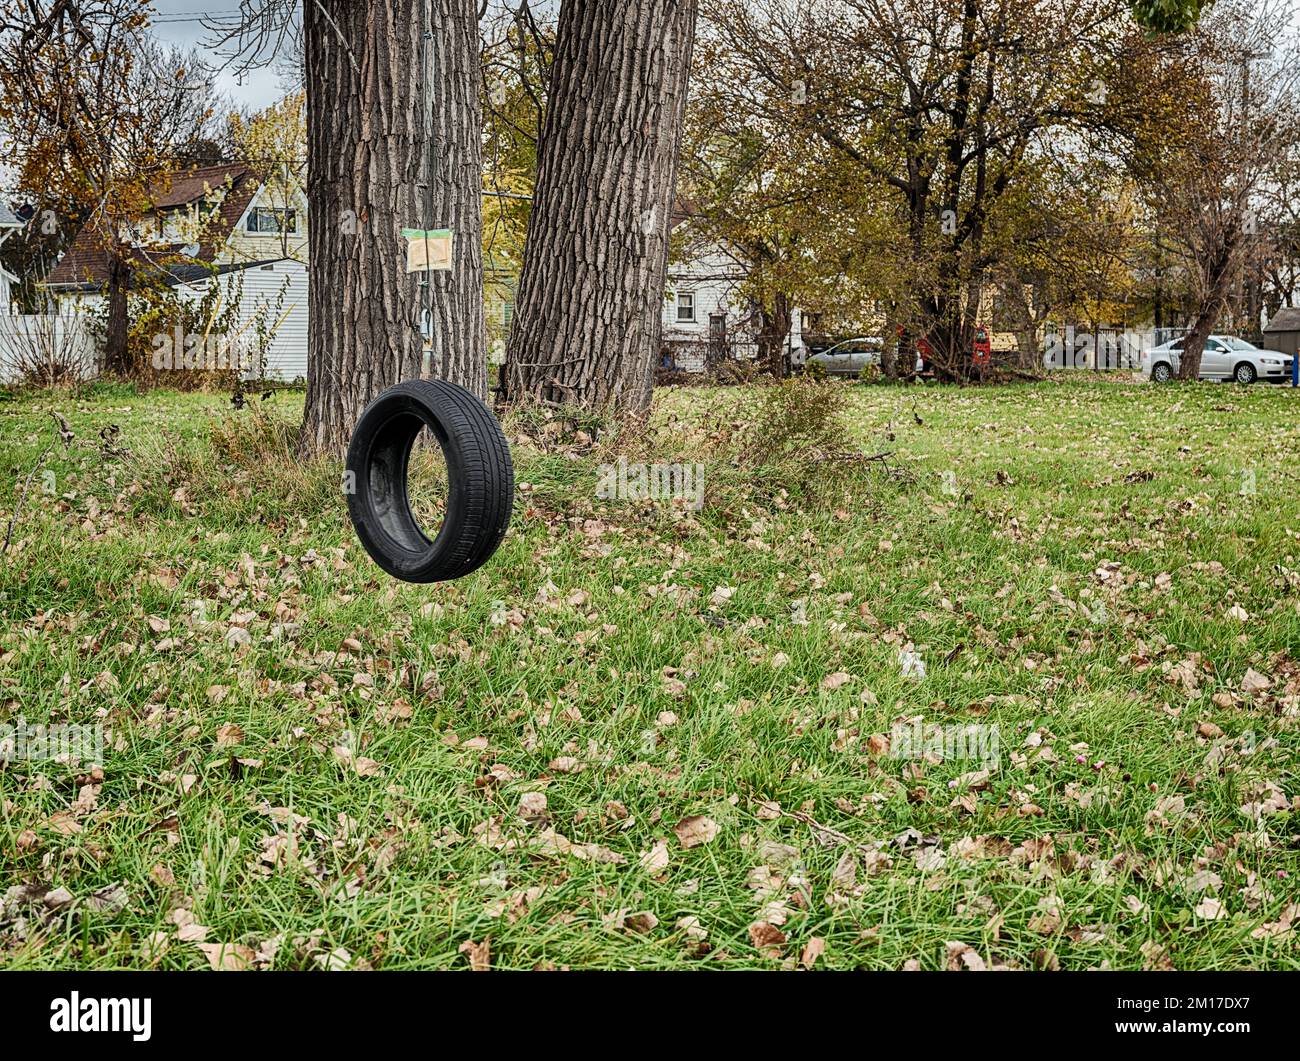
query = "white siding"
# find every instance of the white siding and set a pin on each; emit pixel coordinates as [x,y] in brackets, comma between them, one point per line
[286,355]
[284,318]
[712,275]
[40,343]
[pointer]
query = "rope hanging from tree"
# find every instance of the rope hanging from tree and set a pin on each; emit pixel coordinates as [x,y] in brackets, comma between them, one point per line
[429,248]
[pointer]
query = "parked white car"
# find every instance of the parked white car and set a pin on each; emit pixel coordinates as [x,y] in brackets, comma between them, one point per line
[850,357]
[1225,357]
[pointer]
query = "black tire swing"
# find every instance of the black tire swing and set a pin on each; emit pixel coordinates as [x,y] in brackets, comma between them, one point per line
[480,481]
[480,476]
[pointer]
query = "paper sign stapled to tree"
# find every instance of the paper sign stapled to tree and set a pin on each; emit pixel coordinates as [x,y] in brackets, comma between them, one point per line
[427,250]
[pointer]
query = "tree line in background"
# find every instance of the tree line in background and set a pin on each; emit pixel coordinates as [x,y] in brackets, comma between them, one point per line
[914,154]
[1086,158]
[99,117]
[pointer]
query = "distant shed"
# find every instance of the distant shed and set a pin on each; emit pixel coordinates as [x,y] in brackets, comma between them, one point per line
[1283,331]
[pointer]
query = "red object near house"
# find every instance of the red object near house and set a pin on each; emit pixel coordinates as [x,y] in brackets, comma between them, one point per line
[981,351]
[924,351]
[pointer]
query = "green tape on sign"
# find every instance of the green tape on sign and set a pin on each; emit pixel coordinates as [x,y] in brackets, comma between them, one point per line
[428,250]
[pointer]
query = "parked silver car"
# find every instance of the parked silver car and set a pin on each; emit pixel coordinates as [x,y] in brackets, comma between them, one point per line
[1225,357]
[851,356]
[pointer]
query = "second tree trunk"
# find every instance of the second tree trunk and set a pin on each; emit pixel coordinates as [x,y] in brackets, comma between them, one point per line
[587,321]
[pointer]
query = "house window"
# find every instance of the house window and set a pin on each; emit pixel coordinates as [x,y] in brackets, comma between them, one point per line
[265,221]
[686,306]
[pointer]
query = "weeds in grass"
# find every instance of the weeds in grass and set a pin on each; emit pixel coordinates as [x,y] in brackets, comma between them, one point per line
[246,464]
[549,427]
[254,437]
[775,447]
[789,444]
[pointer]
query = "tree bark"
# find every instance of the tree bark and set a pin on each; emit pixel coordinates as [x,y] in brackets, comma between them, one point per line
[950,332]
[889,349]
[116,356]
[587,322]
[1215,282]
[775,326]
[459,330]
[1189,361]
[378,162]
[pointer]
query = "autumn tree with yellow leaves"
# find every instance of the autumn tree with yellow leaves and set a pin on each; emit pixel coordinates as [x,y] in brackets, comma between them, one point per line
[273,143]
[96,113]
[937,117]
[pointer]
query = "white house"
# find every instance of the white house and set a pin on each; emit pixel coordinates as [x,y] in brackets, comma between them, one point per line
[703,308]
[9,224]
[214,225]
[220,226]
[705,312]
[43,347]
[271,318]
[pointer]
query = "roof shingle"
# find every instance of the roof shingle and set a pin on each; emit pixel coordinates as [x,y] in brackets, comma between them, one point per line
[85,263]
[1287,319]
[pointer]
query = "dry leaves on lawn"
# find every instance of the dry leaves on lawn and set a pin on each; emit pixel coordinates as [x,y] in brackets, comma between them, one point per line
[1254,682]
[1209,909]
[767,938]
[656,859]
[230,957]
[833,681]
[695,830]
[532,806]
[1279,929]
[229,735]
[480,955]
[812,950]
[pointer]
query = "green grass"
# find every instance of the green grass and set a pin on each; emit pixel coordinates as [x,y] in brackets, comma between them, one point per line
[451,703]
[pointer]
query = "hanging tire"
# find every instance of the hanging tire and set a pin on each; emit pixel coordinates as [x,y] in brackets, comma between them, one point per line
[480,481]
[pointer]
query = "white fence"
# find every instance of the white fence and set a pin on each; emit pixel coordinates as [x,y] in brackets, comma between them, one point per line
[1107,348]
[46,348]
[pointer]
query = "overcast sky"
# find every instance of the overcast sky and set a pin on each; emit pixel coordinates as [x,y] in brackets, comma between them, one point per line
[180,22]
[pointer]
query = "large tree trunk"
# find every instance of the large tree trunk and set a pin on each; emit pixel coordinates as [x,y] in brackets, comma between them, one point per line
[459,330]
[947,334]
[889,349]
[117,361]
[377,163]
[588,312]
[1027,347]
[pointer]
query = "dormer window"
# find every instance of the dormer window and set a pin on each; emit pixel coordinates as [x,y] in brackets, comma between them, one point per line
[209,205]
[178,226]
[268,221]
[149,231]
